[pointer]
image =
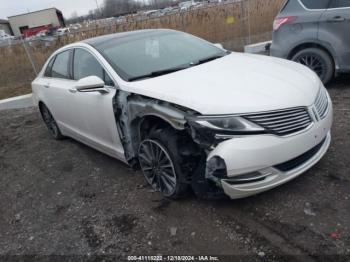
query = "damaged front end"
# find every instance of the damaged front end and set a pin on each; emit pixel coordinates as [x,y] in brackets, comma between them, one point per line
[198,137]
[209,132]
[130,112]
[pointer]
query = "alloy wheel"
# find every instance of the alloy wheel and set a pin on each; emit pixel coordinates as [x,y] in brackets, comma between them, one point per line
[157,167]
[314,62]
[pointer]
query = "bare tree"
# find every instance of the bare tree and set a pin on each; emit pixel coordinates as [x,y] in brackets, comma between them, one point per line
[74,15]
[118,7]
[111,8]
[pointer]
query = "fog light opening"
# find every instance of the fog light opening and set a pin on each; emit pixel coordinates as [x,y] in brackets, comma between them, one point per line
[252,177]
[216,169]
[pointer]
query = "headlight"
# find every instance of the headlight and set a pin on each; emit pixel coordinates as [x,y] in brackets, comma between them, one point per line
[209,130]
[229,124]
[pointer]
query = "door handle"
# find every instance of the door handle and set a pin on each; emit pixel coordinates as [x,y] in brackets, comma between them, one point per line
[47,86]
[72,90]
[336,19]
[101,90]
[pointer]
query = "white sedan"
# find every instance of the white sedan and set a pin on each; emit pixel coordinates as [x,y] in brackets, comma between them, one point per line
[191,115]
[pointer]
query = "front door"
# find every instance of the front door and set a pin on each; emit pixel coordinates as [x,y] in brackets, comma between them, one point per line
[97,122]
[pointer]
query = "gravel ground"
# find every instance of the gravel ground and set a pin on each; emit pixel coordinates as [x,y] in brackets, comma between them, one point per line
[63,198]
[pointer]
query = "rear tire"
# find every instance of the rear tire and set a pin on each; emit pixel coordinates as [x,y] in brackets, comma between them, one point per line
[50,123]
[317,60]
[161,163]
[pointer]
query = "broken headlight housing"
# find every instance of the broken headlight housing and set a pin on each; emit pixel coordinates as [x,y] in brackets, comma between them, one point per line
[229,124]
[211,129]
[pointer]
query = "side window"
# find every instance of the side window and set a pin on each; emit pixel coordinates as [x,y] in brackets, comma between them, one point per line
[49,67]
[60,68]
[85,64]
[315,4]
[340,3]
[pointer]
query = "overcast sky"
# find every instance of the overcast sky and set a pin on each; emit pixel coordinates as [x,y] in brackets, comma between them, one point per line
[15,7]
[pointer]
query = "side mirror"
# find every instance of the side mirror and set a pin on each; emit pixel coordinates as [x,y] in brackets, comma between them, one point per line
[91,84]
[219,45]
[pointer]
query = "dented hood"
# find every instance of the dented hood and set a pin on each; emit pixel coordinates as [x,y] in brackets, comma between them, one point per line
[236,83]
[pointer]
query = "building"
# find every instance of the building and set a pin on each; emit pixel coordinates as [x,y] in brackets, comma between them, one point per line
[31,23]
[5,27]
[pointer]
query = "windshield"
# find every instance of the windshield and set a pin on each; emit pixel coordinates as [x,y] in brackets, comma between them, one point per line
[156,53]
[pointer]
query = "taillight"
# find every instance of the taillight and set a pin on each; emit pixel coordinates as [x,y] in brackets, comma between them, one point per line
[282,21]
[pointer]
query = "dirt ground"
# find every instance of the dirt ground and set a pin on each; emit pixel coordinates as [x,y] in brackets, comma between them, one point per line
[63,198]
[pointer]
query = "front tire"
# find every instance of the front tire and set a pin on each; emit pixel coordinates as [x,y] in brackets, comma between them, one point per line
[50,123]
[317,60]
[161,162]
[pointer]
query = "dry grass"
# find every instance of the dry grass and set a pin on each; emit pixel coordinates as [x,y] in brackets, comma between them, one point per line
[15,90]
[225,23]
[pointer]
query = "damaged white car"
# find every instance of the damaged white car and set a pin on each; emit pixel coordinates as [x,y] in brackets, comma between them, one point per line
[191,115]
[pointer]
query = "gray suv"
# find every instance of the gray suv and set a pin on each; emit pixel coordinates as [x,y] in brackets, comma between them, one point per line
[315,33]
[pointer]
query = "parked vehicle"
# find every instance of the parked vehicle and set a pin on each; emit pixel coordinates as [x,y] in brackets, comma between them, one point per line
[75,26]
[31,33]
[315,34]
[42,33]
[190,114]
[4,36]
[62,31]
[186,5]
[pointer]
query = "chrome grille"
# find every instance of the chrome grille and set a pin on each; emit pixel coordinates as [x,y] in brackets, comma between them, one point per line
[321,103]
[282,122]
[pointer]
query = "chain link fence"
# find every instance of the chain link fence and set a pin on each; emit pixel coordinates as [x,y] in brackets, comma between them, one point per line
[233,24]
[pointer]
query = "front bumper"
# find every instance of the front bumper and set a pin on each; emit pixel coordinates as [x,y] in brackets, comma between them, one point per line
[264,153]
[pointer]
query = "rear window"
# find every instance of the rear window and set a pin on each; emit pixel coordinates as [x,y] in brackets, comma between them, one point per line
[49,67]
[284,6]
[315,4]
[340,3]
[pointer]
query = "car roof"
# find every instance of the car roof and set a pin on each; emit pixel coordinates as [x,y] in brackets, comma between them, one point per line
[96,41]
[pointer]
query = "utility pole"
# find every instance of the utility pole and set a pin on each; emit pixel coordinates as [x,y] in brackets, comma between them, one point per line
[98,7]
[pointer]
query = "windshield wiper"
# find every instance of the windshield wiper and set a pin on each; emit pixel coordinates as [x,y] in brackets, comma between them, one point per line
[159,73]
[207,59]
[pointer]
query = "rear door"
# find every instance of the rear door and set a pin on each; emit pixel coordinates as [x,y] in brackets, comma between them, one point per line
[57,82]
[334,29]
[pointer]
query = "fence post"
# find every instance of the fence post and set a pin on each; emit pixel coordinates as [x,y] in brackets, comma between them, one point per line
[249,29]
[183,21]
[29,57]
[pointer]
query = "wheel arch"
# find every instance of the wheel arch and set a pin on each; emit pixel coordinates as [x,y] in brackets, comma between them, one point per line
[134,112]
[40,104]
[144,124]
[305,45]
[148,121]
